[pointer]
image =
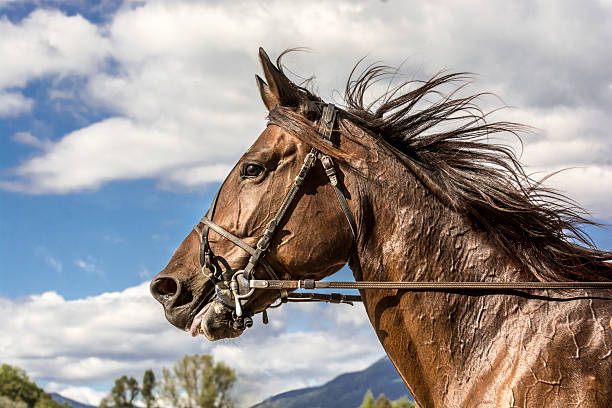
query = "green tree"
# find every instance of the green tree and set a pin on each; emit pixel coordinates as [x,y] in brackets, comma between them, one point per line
[368,400]
[148,387]
[196,381]
[123,393]
[46,401]
[105,403]
[382,402]
[15,386]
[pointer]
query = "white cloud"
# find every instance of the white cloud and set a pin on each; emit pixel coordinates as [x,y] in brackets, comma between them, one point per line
[573,143]
[78,345]
[120,149]
[90,265]
[95,339]
[48,42]
[593,184]
[27,138]
[55,264]
[13,104]
[186,106]
[51,260]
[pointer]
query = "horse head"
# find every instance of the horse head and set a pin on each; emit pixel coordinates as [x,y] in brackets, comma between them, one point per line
[310,240]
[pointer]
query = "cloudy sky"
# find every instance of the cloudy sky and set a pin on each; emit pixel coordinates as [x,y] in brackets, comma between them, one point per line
[118,120]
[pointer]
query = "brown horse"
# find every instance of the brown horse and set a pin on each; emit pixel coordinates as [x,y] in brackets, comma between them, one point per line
[429,205]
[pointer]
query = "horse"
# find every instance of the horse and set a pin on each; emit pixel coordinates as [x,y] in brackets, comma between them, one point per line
[431,199]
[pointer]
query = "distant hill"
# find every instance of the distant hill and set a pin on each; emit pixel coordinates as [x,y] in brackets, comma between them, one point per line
[70,402]
[344,391]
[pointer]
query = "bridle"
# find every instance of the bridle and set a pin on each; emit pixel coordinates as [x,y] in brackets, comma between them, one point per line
[239,288]
[235,289]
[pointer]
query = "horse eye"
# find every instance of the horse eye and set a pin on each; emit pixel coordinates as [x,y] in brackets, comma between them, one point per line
[252,170]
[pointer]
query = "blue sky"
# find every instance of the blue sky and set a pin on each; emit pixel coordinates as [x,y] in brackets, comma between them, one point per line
[118,120]
[92,241]
[85,244]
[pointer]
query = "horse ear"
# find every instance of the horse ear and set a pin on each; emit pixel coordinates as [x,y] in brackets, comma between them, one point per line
[279,90]
[267,96]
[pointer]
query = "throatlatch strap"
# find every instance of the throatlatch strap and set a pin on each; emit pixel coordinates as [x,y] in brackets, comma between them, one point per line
[326,128]
[330,170]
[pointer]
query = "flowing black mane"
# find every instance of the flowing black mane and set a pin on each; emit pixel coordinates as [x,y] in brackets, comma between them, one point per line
[448,141]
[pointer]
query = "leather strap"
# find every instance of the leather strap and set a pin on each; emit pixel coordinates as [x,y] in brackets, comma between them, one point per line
[330,170]
[324,297]
[310,284]
[227,235]
[238,242]
[326,128]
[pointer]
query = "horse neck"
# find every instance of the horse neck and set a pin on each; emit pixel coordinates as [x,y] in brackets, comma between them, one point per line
[408,234]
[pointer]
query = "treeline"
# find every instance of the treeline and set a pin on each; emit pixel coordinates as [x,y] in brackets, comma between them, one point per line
[384,402]
[194,381]
[17,391]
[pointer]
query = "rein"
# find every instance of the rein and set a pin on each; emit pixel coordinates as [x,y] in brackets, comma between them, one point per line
[462,285]
[235,288]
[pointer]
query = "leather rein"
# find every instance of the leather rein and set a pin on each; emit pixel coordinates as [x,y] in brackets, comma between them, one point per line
[234,288]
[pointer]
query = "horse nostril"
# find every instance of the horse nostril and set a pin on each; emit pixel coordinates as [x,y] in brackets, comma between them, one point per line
[164,289]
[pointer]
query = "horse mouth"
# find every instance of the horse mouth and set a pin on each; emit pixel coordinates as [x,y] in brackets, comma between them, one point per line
[214,321]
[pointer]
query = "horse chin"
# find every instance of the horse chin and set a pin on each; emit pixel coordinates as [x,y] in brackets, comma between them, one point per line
[217,323]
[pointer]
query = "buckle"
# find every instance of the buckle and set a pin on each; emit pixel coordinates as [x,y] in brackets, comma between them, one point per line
[310,158]
[330,170]
[212,276]
[326,126]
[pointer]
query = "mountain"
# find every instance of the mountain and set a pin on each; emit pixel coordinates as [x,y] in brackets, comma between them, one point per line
[70,402]
[344,391]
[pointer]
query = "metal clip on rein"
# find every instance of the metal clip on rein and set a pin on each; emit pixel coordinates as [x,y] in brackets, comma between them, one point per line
[235,288]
